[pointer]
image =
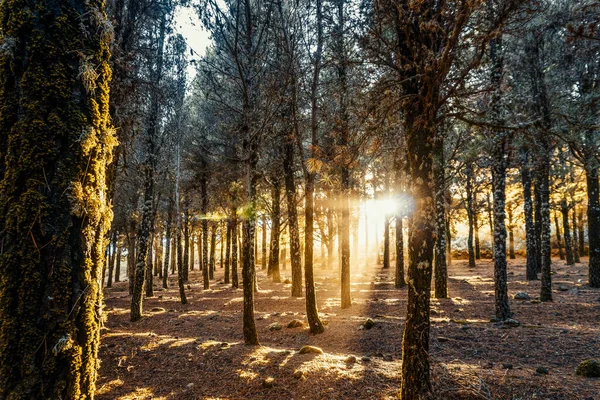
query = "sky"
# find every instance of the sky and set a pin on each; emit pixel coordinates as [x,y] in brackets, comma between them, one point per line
[188,24]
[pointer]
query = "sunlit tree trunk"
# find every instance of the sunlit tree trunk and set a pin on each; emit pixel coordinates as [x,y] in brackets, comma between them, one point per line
[470,213]
[205,233]
[168,223]
[292,212]
[386,242]
[273,268]
[234,249]
[399,280]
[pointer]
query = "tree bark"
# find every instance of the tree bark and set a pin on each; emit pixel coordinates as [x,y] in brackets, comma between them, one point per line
[470,213]
[56,143]
[399,280]
[290,191]
[567,233]
[386,242]
[530,231]
[561,253]
[234,249]
[593,214]
[441,268]
[273,269]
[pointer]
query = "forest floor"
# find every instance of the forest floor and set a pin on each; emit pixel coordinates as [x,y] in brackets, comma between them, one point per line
[196,351]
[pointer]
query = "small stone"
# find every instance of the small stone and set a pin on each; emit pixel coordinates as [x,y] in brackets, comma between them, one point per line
[542,370]
[190,385]
[295,323]
[535,301]
[365,359]
[310,350]
[521,296]
[275,326]
[211,338]
[269,382]
[275,314]
[158,309]
[350,360]
[588,368]
[225,345]
[189,287]
[442,339]
[507,366]
[299,375]
[287,281]
[388,357]
[160,297]
[562,288]
[369,323]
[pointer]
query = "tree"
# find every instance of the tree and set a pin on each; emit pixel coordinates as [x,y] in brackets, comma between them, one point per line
[56,141]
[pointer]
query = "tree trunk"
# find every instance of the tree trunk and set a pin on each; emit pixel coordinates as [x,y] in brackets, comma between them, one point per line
[561,253]
[530,231]
[441,268]
[470,213]
[543,181]
[205,233]
[55,144]
[386,242]
[593,190]
[213,243]
[538,225]
[150,268]
[234,249]
[290,191]
[118,265]
[227,277]
[399,281]
[193,253]
[581,234]
[114,246]
[476,227]
[273,269]
[567,233]
[131,243]
[576,256]
[165,277]
[420,134]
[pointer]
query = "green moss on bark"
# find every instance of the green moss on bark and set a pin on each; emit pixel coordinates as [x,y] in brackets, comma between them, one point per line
[55,143]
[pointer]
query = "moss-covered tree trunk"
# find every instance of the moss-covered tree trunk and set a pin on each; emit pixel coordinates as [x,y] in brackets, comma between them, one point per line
[55,145]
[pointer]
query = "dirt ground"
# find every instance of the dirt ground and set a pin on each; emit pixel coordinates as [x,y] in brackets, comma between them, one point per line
[196,351]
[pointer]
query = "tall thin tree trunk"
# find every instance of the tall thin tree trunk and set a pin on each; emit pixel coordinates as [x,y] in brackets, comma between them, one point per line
[593,191]
[234,249]
[561,253]
[441,268]
[399,280]
[386,241]
[530,231]
[567,233]
[227,278]
[470,214]
[165,277]
[576,256]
